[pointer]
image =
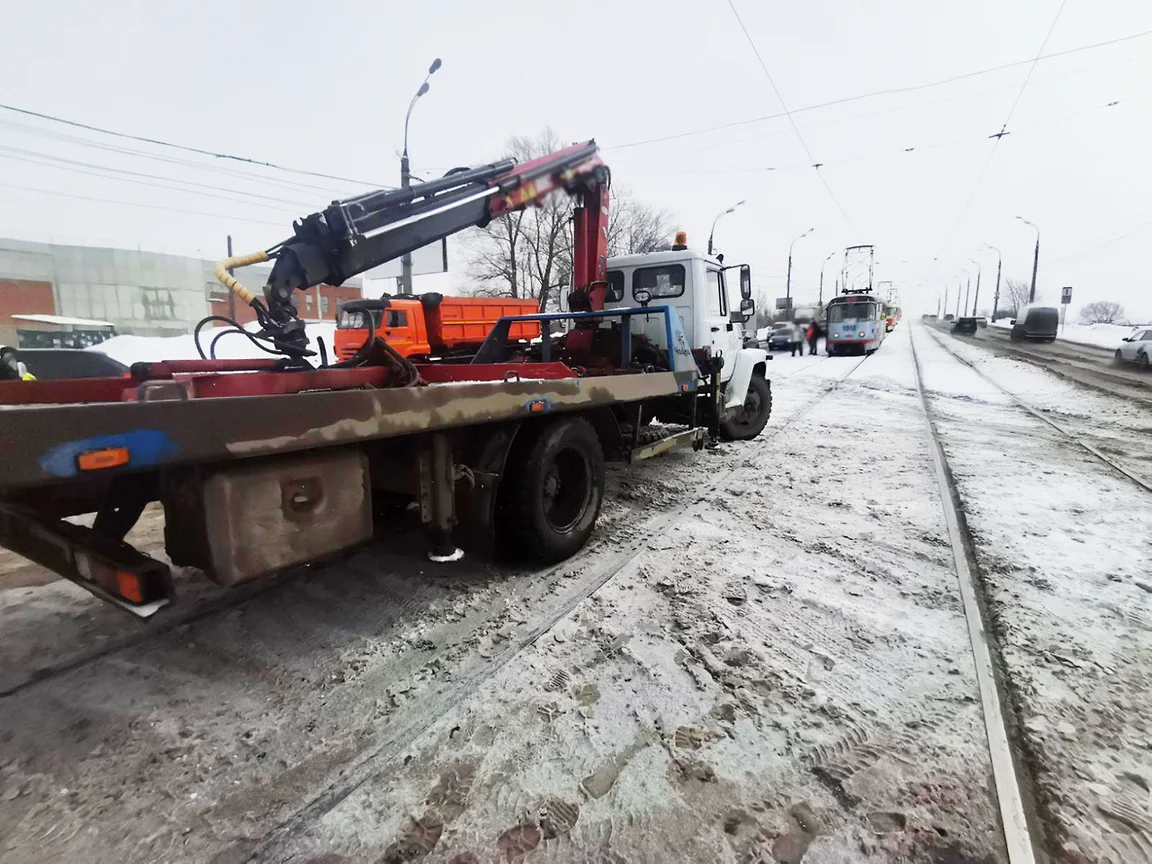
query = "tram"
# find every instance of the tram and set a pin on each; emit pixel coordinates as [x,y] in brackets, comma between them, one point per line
[892,315]
[856,323]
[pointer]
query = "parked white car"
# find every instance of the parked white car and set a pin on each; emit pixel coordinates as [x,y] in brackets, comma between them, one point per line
[1136,348]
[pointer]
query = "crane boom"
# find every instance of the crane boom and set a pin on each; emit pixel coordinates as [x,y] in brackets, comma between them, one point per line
[356,234]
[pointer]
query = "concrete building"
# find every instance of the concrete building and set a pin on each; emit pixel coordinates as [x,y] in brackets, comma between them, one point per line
[145,293]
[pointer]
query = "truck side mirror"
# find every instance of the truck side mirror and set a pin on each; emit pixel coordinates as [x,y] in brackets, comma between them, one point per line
[747,306]
[745,283]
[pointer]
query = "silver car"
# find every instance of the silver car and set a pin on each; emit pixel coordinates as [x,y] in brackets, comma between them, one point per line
[1136,348]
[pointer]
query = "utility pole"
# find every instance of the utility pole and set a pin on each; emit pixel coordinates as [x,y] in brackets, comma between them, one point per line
[831,255]
[967,294]
[231,293]
[979,270]
[1035,259]
[406,178]
[945,302]
[788,282]
[996,296]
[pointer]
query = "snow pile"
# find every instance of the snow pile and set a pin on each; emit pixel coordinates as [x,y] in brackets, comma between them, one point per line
[151,349]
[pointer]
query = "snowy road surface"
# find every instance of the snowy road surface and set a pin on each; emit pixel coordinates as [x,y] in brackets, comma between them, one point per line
[761,657]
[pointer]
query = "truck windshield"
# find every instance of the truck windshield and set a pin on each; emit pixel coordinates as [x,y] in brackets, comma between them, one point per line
[355,320]
[849,312]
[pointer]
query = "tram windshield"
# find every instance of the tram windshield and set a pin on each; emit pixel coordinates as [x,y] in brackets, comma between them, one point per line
[851,312]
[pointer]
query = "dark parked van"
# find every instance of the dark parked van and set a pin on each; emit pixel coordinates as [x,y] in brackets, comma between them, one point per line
[1036,323]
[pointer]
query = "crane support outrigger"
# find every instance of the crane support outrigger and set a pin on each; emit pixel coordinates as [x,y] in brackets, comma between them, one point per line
[265,464]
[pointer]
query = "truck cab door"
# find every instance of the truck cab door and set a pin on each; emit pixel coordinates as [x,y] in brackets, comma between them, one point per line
[726,338]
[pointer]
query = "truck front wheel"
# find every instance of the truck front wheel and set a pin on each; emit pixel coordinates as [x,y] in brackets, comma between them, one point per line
[554,493]
[748,421]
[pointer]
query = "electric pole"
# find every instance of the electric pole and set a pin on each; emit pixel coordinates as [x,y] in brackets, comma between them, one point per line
[231,293]
[996,296]
[406,177]
[788,282]
[1035,259]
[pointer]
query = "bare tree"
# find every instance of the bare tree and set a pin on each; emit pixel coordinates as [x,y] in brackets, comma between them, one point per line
[1101,312]
[529,253]
[1016,293]
[636,228]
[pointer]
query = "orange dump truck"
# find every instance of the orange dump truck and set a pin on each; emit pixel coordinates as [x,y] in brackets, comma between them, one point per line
[432,325]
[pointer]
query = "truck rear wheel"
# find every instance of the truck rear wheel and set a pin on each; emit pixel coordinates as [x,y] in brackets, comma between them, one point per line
[749,420]
[554,494]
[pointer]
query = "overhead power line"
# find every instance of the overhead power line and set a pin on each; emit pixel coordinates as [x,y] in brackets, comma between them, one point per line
[181,161]
[999,136]
[227,216]
[62,164]
[891,91]
[788,114]
[160,143]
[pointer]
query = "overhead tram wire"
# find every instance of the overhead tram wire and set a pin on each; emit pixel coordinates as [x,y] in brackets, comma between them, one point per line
[999,136]
[62,164]
[161,143]
[56,135]
[795,128]
[892,91]
[99,200]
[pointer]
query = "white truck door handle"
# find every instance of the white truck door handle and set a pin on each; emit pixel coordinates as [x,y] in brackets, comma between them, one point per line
[715,329]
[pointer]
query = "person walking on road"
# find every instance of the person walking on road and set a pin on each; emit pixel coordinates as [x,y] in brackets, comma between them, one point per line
[813,335]
[797,340]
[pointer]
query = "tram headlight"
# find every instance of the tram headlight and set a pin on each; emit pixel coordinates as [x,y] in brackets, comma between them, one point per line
[835,335]
[862,333]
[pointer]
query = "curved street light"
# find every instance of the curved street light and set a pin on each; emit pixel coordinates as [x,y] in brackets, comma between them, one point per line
[976,299]
[1035,259]
[960,285]
[717,219]
[831,255]
[788,284]
[999,266]
[406,176]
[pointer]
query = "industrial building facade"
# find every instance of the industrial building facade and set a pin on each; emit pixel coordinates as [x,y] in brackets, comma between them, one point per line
[143,293]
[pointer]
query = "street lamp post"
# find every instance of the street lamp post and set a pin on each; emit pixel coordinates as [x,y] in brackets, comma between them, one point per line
[406,176]
[831,255]
[1035,259]
[996,296]
[959,285]
[717,219]
[788,282]
[976,299]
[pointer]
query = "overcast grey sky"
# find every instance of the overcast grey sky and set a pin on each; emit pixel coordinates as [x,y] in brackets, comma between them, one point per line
[324,87]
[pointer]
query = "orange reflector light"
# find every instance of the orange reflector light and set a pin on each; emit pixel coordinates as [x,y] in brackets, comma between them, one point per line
[98,460]
[128,586]
[537,407]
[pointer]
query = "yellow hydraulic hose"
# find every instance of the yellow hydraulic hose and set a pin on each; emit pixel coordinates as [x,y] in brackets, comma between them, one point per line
[231,282]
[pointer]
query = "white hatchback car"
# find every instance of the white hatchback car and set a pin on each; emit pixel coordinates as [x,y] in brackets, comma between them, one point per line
[1136,348]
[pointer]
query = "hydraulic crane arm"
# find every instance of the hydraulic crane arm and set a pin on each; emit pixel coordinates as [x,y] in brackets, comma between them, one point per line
[354,235]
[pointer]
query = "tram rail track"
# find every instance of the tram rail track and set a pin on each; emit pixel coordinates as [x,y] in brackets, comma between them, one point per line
[1014,785]
[1041,416]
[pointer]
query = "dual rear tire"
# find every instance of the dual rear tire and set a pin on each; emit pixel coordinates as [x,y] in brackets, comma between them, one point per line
[552,492]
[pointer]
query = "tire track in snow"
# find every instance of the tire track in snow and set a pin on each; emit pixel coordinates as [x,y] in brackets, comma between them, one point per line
[354,777]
